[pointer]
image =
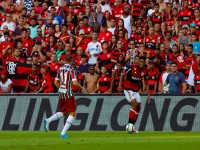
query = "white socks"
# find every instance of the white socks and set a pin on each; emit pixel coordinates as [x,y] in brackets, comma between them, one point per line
[68,124]
[56,116]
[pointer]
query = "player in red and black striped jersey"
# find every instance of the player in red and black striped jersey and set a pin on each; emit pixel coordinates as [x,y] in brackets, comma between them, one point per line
[133,79]
[66,77]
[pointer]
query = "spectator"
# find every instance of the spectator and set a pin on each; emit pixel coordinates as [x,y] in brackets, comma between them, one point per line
[112,26]
[9,23]
[86,27]
[79,53]
[33,28]
[104,6]
[57,30]
[61,50]
[93,49]
[26,42]
[131,53]
[163,77]
[118,51]
[83,68]
[188,61]
[82,40]
[5,82]
[175,79]
[53,67]
[104,82]
[169,43]
[182,50]
[185,38]
[176,57]
[128,19]
[90,81]
[33,83]
[113,42]
[116,74]
[104,58]
[195,43]
[46,84]
[120,26]
[51,46]
[152,77]
[29,61]
[16,57]
[104,34]
[56,18]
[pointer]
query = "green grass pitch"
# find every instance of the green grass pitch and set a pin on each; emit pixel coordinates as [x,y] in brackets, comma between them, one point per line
[96,140]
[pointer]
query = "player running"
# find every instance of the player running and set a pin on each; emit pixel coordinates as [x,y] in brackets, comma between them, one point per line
[66,77]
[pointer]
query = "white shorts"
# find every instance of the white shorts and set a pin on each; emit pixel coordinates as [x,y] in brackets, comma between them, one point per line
[130,95]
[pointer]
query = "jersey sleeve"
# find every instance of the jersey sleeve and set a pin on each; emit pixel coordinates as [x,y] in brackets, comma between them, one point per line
[74,74]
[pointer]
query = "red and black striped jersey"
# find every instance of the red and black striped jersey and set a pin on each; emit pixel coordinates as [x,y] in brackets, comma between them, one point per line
[152,78]
[104,59]
[117,74]
[197,82]
[156,18]
[34,81]
[104,83]
[134,76]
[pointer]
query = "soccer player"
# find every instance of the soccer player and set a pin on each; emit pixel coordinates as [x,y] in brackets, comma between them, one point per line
[66,77]
[133,79]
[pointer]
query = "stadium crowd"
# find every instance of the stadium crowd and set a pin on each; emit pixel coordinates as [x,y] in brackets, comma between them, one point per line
[104,37]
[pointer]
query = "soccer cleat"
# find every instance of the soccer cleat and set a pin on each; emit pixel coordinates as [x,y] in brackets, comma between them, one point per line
[64,136]
[135,130]
[46,125]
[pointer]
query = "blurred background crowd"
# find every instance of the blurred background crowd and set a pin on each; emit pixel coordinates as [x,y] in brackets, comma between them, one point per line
[104,37]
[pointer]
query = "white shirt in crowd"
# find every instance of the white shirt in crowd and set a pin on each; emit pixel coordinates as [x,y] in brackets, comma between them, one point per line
[93,49]
[105,7]
[11,26]
[4,86]
[112,30]
[150,12]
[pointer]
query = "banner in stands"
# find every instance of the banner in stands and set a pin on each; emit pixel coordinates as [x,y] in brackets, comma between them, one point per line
[101,112]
